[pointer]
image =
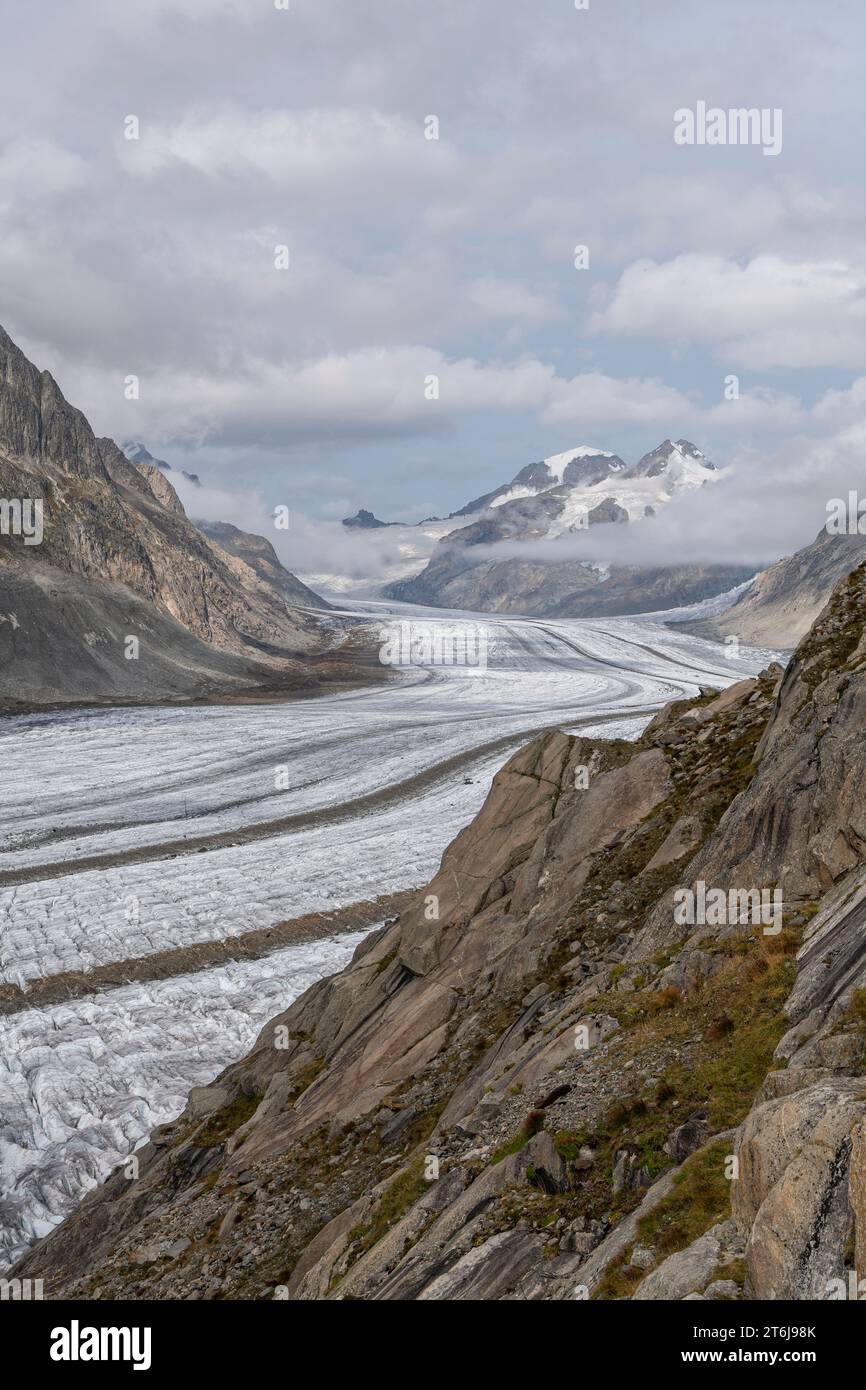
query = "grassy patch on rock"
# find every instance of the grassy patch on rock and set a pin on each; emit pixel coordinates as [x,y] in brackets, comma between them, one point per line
[701,1197]
[222,1124]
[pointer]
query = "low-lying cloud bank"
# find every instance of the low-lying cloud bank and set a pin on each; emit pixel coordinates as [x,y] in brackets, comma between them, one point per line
[754,512]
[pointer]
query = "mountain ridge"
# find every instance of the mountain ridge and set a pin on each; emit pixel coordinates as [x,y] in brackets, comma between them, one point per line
[117,544]
[783,601]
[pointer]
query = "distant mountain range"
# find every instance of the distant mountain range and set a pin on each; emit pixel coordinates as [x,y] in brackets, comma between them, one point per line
[561,496]
[590,487]
[123,597]
[214,610]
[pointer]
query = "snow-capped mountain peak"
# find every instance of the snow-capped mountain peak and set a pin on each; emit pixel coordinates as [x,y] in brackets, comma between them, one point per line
[557,464]
[583,467]
[681,461]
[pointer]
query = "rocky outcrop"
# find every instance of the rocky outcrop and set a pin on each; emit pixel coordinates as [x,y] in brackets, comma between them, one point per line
[801,823]
[689,1272]
[260,556]
[791,1197]
[366,521]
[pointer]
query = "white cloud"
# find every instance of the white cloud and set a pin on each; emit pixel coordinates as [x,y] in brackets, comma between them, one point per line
[764,313]
[508,299]
[37,167]
[594,397]
[286,147]
[412,257]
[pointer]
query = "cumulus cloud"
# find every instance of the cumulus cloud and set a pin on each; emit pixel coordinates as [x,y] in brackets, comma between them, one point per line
[306,150]
[412,257]
[38,168]
[765,313]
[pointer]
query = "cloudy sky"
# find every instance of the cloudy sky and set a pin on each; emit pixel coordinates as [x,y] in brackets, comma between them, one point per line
[412,257]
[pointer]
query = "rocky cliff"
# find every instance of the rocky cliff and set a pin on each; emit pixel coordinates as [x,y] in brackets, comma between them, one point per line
[553,1077]
[118,558]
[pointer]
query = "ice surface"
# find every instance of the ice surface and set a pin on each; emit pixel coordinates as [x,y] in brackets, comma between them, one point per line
[82,1084]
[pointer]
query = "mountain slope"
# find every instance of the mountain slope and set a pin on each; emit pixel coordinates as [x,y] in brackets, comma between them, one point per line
[136,452]
[259,554]
[109,522]
[533,1083]
[783,601]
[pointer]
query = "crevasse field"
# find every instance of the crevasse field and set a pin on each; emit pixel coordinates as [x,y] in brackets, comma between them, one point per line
[374,783]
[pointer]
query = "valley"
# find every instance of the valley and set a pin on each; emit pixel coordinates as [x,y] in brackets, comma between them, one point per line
[161,837]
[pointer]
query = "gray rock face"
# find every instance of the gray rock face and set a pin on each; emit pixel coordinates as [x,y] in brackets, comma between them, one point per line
[365,521]
[791,1198]
[800,1193]
[688,1137]
[259,554]
[782,602]
[118,556]
[801,823]
[690,1271]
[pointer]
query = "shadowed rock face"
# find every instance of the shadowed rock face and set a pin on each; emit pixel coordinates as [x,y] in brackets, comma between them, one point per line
[110,522]
[454,578]
[365,521]
[535,1045]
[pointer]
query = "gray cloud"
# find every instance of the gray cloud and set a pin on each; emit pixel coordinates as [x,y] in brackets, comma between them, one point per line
[260,128]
